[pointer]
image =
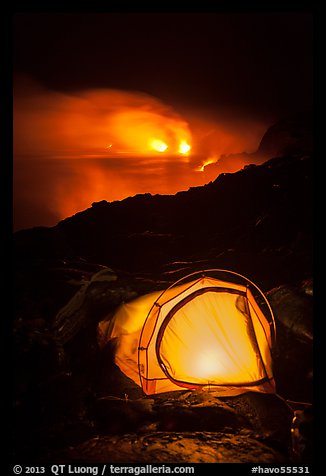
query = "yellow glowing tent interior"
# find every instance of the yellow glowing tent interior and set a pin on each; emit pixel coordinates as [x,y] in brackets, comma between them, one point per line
[201,332]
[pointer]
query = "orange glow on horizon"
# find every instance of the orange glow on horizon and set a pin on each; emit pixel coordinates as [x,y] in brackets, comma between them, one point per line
[96,122]
[142,130]
[71,150]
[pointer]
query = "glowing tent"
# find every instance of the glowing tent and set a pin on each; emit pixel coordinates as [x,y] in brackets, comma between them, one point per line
[200,332]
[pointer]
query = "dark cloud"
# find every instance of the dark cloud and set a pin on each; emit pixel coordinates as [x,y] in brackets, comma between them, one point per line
[260,63]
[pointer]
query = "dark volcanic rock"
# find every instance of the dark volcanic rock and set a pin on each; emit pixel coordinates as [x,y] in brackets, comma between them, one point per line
[258,210]
[189,427]
[247,428]
[183,447]
[292,135]
[293,307]
[293,354]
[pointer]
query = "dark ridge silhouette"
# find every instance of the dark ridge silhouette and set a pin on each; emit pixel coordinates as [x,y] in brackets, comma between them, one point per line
[260,209]
[292,135]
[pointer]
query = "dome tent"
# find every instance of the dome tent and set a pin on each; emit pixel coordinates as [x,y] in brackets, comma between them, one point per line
[212,328]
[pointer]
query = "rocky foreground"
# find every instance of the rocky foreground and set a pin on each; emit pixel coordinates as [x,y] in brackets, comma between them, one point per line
[73,403]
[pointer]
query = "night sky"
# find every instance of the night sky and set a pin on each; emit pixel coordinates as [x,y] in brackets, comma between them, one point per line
[90,87]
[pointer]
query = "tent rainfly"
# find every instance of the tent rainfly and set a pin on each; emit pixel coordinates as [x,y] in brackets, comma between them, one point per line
[201,332]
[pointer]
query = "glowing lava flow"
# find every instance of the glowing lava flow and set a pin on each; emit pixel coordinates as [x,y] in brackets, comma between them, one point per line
[184,147]
[208,161]
[158,145]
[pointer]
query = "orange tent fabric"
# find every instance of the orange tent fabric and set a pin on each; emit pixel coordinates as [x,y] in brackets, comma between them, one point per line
[202,333]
